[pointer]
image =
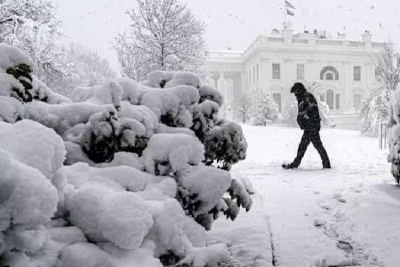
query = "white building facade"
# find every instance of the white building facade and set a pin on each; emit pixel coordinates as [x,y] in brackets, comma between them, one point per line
[274,63]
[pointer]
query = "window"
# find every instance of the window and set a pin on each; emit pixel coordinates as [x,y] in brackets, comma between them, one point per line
[329,98]
[278,100]
[329,76]
[276,71]
[357,73]
[337,102]
[330,69]
[300,71]
[357,100]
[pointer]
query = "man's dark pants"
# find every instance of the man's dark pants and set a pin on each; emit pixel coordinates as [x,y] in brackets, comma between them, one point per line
[311,135]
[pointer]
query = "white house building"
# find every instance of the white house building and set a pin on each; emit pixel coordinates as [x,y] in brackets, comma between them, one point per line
[274,63]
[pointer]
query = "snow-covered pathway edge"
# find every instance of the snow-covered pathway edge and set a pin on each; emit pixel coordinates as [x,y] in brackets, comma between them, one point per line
[248,237]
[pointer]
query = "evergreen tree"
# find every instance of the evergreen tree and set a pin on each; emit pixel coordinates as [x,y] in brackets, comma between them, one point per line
[243,108]
[264,108]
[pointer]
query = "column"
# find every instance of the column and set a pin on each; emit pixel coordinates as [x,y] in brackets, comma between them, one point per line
[264,74]
[221,89]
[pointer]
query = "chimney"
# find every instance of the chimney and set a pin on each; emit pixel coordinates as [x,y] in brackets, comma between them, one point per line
[367,37]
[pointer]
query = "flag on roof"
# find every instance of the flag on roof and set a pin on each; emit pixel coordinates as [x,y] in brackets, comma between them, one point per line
[289,5]
[290,13]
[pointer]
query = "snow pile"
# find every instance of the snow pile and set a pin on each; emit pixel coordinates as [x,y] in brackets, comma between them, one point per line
[28,199]
[116,177]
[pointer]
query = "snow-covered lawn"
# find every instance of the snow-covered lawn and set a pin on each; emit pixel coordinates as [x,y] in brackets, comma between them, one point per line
[347,216]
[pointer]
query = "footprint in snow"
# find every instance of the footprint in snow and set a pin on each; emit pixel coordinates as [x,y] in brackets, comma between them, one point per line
[325,206]
[340,198]
[319,223]
[344,245]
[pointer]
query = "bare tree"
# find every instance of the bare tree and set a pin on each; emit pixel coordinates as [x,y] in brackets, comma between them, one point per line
[375,108]
[32,25]
[85,68]
[164,35]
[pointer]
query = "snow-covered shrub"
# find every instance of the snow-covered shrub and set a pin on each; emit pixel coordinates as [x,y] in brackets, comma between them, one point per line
[172,104]
[393,128]
[225,144]
[290,112]
[263,109]
[118,177]
[15,74]
[11,110]
[243,108]
[204,116]
[375,107]
[165,79]
[208,93]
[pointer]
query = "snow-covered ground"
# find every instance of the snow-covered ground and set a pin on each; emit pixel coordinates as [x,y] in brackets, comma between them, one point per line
[347,216]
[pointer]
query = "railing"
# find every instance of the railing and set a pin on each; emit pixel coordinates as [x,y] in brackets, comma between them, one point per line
[270,41]
[299,41]
[329,43]
[224,54]
[357,44]
[275,40]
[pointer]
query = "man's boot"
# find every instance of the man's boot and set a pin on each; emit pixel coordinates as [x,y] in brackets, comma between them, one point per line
[289,166]
[326,165]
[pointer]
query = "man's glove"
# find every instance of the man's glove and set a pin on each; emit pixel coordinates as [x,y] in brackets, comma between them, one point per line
[300,121]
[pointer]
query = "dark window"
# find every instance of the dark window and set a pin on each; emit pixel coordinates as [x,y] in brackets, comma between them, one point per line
[357,73]
[276,71]
[329,76]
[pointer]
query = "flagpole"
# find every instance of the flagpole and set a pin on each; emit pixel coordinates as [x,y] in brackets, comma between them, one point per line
[284,15]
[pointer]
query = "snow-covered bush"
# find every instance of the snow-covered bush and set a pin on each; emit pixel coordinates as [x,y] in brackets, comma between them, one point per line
[264,109]
[122,175]
[393,128]
[375,108]
[225,144]
[243,108]
[290,112]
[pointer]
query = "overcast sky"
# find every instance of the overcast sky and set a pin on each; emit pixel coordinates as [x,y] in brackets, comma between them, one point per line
[235,23]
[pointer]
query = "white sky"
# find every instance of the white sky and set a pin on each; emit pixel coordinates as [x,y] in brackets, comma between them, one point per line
[235,23]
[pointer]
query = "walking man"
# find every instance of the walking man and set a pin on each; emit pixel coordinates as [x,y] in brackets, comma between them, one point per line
[309,120]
